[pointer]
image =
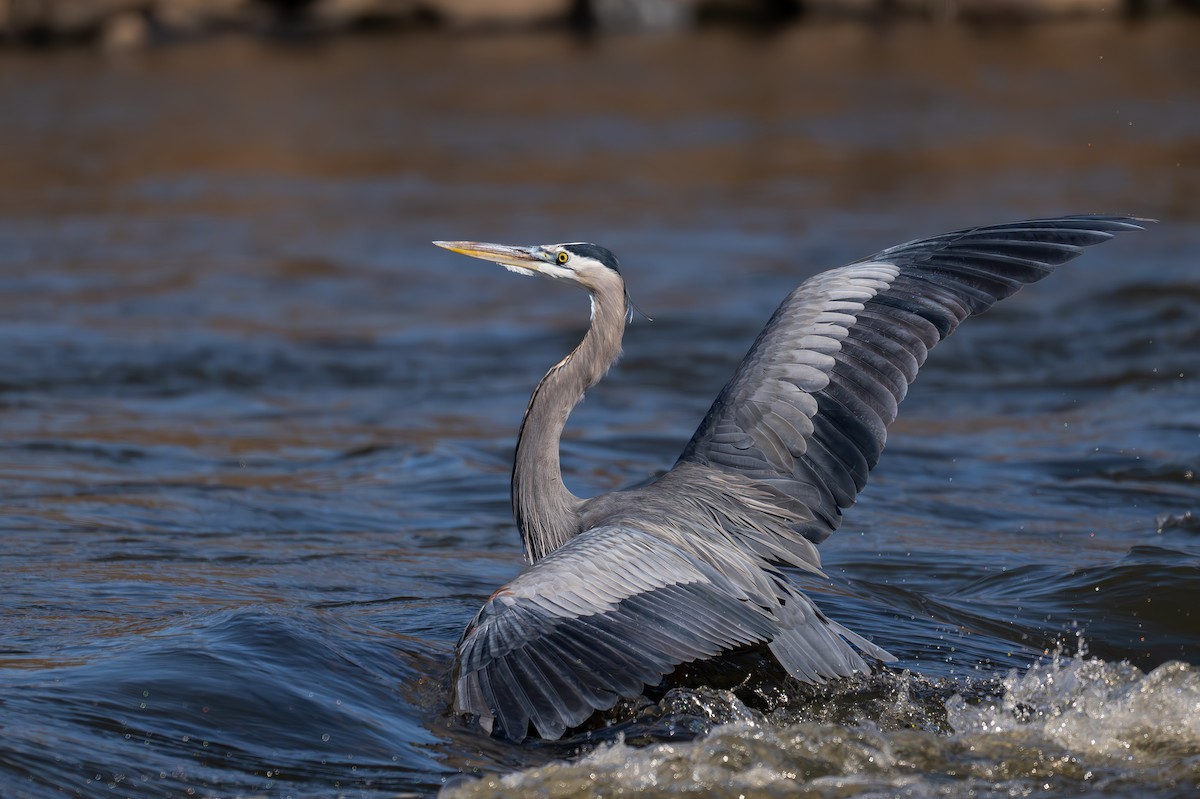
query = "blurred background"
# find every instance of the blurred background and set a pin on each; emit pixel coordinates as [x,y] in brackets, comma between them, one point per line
[130,24]
[255,431]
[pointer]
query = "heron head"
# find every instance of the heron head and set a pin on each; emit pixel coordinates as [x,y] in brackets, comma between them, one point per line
[588,265]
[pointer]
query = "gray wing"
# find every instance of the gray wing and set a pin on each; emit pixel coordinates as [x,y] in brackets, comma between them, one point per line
[807,411]
[615,609]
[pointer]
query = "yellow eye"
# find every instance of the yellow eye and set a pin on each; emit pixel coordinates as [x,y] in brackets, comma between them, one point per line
[563,257]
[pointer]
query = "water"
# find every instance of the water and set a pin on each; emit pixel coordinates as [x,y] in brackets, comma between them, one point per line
[255,431]
[1062,728]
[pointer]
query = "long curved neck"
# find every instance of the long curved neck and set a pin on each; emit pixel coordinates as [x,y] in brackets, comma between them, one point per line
[546,512]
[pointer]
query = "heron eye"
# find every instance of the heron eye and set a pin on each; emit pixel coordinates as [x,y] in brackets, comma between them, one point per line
[563,257]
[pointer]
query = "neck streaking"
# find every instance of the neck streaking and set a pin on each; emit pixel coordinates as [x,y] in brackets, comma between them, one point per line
[546,512]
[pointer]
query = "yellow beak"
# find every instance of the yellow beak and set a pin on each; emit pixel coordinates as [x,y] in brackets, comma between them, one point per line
[525,260]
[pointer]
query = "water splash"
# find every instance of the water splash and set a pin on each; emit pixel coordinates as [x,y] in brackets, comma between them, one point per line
[1062,727]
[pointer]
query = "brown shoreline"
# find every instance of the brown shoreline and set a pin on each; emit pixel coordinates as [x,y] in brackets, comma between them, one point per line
[132,24]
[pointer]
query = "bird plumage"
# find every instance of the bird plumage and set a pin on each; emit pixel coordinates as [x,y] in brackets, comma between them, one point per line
[626,586]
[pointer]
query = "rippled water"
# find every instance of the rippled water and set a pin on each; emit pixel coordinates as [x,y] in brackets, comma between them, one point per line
[255,432]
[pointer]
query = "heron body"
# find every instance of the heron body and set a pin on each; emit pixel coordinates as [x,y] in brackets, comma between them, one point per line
[624,587]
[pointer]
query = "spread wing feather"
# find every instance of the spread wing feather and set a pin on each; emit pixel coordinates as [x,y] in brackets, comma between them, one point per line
[612,611]
[808,408]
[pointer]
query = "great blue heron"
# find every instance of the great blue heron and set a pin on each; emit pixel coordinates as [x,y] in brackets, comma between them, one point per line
[624,587]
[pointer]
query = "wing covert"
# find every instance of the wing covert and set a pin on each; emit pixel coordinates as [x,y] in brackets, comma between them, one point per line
[606,614]
[614,610]
[807,410]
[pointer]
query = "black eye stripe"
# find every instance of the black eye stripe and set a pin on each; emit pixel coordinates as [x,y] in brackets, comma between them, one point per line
[595,252]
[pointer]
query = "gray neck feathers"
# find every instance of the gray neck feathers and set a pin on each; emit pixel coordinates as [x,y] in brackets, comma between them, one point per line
[546,512]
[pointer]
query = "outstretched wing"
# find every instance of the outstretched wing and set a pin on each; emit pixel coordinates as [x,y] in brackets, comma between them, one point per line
[615,609]
[808,408]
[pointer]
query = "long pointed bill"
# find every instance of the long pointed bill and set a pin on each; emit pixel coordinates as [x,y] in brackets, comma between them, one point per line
[522,260]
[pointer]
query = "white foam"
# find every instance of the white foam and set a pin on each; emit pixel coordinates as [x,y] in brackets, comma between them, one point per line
[1062,727]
